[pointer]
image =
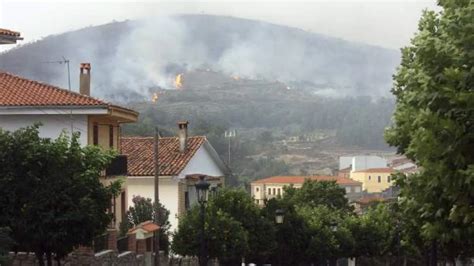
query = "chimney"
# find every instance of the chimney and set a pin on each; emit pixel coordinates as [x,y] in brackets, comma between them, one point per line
[85,79]
[183,135]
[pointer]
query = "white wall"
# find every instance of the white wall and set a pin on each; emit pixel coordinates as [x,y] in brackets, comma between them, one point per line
[144,186]
[366,162]
[202,163]
[52,126]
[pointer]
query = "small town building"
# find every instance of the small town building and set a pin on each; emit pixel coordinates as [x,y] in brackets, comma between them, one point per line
[374,179]
[25,102]
[267,188]
[181,160]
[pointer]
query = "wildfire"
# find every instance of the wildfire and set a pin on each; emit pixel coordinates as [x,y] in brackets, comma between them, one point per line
[236,77]
[154,97]
[178,81]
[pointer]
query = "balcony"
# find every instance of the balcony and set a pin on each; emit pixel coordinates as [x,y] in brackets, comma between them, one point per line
[118,166]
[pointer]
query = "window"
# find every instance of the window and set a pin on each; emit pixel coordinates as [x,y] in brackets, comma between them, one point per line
[256,189]
[274,191]
[379,179]
[369,177]
[357,189]
[269,191]
[279,191]
[389,179]
[111,136]
[348,190]
[95,134]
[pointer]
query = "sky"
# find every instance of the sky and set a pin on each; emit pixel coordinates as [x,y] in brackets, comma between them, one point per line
[383,23]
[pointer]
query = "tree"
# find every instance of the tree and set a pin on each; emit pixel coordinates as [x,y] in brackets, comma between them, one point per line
[314,193]
[52,198]
[144,210]
[434,126]
[5,245]
[230,212]
[225,238]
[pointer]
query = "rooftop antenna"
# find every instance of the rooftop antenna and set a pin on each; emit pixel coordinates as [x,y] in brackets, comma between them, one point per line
[65,61]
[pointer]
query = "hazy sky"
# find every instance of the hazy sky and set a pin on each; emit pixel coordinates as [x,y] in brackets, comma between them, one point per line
[384,23]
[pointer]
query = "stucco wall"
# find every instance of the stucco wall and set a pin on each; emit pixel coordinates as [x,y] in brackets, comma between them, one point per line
[370,181]
[52,126]
[202,163]
[144,186]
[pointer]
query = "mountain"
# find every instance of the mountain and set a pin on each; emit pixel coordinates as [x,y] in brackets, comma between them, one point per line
[131,57]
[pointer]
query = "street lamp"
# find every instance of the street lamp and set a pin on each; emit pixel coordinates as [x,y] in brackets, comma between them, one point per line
[202,190]
[279,216]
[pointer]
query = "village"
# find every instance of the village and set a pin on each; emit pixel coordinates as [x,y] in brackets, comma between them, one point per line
[94,193]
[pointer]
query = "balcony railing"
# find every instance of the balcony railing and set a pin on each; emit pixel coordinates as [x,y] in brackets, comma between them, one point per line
[118,166]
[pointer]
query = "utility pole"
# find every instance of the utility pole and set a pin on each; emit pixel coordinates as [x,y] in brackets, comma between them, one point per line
[157,200]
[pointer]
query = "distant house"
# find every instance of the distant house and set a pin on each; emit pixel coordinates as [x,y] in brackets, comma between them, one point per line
[361,162]
[374,179]
[9,36]
[271,187]
[181,160]
[24,102]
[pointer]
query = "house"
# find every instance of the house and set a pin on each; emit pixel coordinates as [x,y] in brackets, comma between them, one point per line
[24,102]
[267,188]
[181,159]
[9,36]
[374,179]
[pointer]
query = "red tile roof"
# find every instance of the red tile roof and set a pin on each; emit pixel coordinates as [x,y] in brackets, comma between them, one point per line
[18,91]
[140,152]
[147,226]
[376,170]
[301,179]
[9,32]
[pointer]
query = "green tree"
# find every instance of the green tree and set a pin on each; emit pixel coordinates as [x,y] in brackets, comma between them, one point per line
[52,198]
[315,193]
[5,245]
[433,125]
[144,210]
[241,207]
[226,239]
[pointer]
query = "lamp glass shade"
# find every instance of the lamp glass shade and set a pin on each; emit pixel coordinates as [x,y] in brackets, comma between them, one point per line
[202,190]
[279,216]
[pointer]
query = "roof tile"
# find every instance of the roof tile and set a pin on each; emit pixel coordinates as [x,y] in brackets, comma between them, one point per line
[18,91]
[140,152]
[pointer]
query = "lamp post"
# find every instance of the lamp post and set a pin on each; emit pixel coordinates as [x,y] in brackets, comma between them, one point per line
[279,216]
[202,189]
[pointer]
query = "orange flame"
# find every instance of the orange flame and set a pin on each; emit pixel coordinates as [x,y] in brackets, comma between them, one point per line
[236,77]
[178,81]
[154,97]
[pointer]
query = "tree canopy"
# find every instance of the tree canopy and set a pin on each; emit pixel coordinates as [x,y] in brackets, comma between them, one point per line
[52,198]
[434,126]
[143,210]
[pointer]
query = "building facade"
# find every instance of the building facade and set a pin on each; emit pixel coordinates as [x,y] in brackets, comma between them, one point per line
[374,179]
[25,102]
[181,159]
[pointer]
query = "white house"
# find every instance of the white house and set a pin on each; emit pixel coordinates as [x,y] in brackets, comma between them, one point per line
[24,102]
[180,159]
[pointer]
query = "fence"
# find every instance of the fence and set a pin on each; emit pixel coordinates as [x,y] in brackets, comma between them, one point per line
[122,244]
[100,243]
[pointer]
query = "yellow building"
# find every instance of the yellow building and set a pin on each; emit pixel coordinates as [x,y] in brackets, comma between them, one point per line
[374,179]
